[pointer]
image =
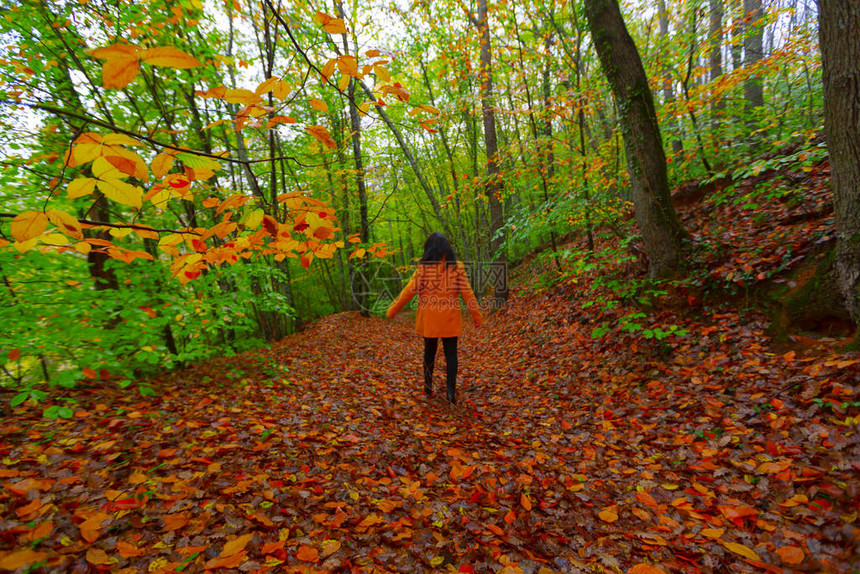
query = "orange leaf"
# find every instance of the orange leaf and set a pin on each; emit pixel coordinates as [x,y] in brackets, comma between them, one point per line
[41,531]
[713,533]
[510,517]
[645,569]
[646,499]
[170,57]
[28,509]
[126,550]
[272,547]
[524,500]
[236,545]
[90,374]
[98,557]
[790,554]
[307,554]
[20,559]
[607,516]
[118,72]
[175,521]
[322,135]
[318,105]
[226,561]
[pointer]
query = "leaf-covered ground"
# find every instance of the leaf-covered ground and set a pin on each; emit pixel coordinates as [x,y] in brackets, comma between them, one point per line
[567,453]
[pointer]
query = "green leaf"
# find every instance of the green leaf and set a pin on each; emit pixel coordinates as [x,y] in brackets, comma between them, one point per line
[198,162]
[146,391]
[51,412]
[19,398]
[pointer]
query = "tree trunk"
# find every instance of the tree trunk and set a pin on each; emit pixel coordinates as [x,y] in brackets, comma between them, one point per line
[839,28]
[668,92]
[646,162]
[753,92]
[494,183]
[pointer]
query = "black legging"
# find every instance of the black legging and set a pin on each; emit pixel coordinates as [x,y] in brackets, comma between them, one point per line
[449,346]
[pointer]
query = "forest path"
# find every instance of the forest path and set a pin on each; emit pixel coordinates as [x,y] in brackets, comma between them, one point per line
[565,453]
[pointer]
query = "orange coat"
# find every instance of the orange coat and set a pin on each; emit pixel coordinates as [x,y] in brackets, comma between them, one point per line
[439,288]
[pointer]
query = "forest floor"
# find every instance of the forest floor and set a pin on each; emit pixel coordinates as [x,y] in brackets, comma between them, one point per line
[707,452]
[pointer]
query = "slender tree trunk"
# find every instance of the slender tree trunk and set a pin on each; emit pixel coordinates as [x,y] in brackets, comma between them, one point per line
[839,30]
[668,90]
[661,229]
[355,127]
[753,92]
[715,56]
[494,183]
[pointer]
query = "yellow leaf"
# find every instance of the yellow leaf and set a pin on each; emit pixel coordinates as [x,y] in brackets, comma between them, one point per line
[358,253]
[28,225]
[329,547]
[120,139]
[65,223]
[241,96]
[118,72]
[382,74]
[343,82]
[54,239]
[83,153]
[103,169]
[170,57]
[742,550]
[364,108]
[121,192]
[322,135]
[713,533]
[22,246]
[318,105]
[437,560]
[161,164]
[236,545]
[83,247]
[253,219]
[120,232]
[21,558]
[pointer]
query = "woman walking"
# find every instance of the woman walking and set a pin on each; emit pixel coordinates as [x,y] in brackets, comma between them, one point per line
[439,282]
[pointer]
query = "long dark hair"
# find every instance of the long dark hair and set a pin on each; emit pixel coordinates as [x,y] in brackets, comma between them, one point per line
[436,248]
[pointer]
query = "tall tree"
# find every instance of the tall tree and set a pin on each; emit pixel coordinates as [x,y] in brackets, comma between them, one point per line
[668,91]
[753,90]
[488,115]
[646,162]
[839,28]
